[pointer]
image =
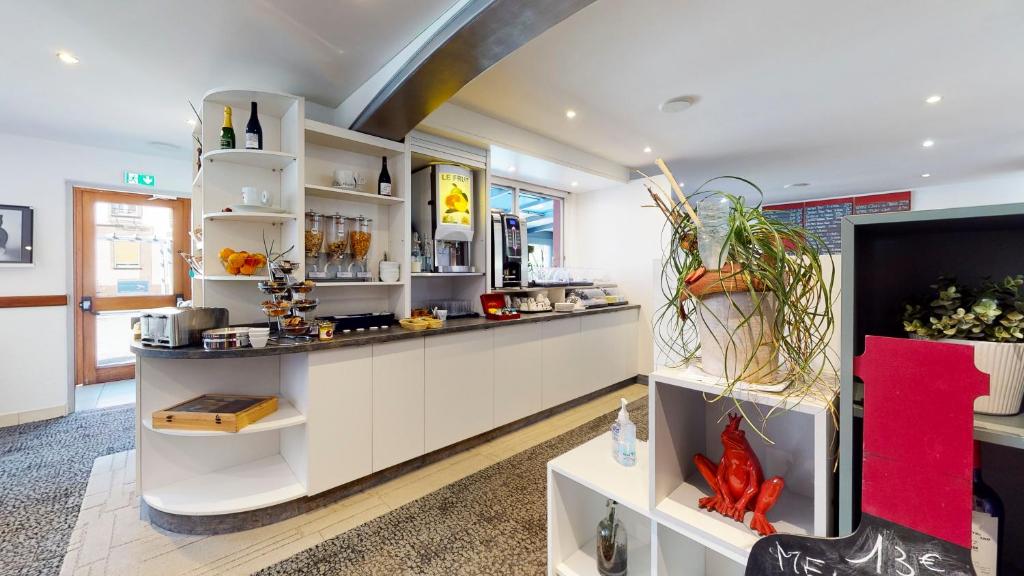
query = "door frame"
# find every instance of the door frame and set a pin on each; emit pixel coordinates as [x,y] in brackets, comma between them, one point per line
[79,354]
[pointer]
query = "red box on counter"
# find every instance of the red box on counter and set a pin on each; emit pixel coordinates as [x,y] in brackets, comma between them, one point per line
[492,300]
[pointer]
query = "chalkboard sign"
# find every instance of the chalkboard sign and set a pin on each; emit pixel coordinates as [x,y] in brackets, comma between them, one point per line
[879,547]
[824,217]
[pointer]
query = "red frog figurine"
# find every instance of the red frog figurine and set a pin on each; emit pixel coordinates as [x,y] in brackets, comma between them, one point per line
[738,481]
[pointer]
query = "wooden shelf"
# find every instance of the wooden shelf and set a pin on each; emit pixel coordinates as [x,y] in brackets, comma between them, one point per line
[332,193]
[321,134]
[329,284]
[285,417]
[1002,430]
[592,465]
[583,562]
[270,103]
[230,278]
[445,274]
[693,378]
[792,514]
[260,217]
[259,158]
[250,486]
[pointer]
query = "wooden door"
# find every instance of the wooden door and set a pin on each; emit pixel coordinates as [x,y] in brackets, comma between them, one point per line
[126,259]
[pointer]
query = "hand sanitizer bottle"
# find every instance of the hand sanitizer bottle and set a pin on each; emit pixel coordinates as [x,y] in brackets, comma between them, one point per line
[624,438]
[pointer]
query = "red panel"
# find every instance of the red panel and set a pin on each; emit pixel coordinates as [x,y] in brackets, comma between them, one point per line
[918,433]
[880,198]
[790,206]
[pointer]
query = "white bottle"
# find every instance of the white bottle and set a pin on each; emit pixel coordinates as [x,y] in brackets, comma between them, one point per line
[624,438]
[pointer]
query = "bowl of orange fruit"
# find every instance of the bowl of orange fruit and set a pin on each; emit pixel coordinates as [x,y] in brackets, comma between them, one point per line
[242,263]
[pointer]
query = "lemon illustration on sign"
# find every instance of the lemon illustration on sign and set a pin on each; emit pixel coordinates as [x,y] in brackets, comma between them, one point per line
[456,204]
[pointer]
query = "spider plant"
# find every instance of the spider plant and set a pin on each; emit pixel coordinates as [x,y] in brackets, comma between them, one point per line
[779,265]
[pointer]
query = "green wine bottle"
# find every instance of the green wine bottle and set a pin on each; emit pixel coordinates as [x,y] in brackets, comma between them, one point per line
[227,132]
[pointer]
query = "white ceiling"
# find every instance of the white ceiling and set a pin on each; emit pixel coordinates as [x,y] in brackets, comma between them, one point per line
[516,165]
[828,92]
[141,60]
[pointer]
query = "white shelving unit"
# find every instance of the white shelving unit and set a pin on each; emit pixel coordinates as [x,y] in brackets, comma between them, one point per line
[665,486]
[330,148]
[285,417]
[278,169]
[248,486]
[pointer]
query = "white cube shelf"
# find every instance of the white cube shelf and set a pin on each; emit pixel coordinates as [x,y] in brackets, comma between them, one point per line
[579,484]
[658,497]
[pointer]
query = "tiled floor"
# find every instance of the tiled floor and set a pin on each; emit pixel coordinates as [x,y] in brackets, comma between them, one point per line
[105,395]
[111,539]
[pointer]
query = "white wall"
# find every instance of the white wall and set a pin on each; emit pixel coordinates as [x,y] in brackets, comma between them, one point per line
[34,342]
[611,230]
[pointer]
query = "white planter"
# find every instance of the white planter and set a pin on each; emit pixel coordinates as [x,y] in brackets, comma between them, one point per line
[731,351]
[1004,363]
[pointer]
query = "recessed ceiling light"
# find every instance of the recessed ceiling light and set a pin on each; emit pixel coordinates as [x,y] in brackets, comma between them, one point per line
[933,99]
[67,57]
[191,121]
[926,175]
[928,143]
[570,114]
[575,183]
[647,149]
[511,168]
[677,104]
[797,185]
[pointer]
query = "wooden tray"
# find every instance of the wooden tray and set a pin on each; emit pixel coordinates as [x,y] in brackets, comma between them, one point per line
[220,412]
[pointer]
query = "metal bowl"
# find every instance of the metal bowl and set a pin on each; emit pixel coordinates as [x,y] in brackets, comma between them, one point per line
[295,329]
[303,287]
[225,338]
[273,287]
[305,305]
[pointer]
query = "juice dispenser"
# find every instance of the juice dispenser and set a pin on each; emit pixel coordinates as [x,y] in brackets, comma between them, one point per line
[442,212]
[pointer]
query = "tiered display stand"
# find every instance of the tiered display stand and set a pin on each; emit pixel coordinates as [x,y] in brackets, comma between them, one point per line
[668,533]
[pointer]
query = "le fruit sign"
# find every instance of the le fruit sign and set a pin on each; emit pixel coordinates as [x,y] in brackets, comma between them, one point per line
[139,179]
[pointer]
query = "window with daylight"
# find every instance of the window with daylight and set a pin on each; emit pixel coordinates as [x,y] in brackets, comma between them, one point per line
[542,214]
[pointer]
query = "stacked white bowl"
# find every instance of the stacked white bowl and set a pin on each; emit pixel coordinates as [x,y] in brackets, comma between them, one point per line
[389,271]
[258,337]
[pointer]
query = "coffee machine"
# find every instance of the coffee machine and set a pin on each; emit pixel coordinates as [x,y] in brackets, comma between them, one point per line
[507,247]
[442,213]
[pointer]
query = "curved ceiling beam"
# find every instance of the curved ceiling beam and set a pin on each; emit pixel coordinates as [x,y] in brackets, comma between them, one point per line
[481,34]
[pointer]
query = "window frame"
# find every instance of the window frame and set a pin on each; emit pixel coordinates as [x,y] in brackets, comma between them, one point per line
[519,187]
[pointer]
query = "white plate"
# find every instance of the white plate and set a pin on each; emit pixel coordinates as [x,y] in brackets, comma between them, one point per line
[252,208]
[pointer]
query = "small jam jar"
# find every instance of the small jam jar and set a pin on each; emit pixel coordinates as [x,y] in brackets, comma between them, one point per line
[326,330]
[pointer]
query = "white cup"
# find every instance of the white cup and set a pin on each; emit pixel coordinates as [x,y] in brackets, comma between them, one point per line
[441,315]
[253,197]
[258,341]
[346,178]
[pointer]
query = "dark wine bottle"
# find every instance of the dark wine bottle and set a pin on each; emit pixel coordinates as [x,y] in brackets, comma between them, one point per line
[253,131]
[986,523]
[384,180]
[227,132]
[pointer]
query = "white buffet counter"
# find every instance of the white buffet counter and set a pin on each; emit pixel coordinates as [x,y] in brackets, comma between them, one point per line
[348,412]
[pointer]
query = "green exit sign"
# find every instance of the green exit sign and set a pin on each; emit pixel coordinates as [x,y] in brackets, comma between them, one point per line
[140,179]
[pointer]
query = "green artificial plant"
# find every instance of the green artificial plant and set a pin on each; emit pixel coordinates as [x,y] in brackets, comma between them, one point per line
[993,312]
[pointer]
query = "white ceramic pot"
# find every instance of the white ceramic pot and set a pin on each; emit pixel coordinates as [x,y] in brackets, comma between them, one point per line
[729,350]
[1004,363]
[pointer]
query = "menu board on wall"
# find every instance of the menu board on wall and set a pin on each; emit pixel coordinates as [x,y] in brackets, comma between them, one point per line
[825,217]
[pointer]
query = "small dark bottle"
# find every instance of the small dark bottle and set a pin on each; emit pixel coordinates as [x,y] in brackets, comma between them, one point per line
[384,180]
[253,131]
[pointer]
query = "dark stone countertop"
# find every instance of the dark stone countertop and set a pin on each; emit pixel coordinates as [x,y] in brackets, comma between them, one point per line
[363,338]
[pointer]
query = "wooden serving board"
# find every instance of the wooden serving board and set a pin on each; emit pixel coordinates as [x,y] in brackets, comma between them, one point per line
[219,412]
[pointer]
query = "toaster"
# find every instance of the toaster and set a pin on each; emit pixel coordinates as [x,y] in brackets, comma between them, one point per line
[175,327]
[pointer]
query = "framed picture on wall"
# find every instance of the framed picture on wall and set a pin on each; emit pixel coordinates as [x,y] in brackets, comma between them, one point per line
[15,235]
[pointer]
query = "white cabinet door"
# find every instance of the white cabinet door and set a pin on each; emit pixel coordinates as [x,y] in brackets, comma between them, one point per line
[561,360]
[629,333]
[517,383]
[459,387]
[397,402]
[604,353]
[339,427]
